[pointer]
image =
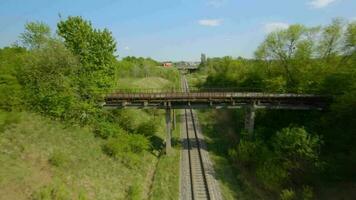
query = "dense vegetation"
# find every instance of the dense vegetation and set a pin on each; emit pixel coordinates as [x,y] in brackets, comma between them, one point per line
[292,154]
[52,124]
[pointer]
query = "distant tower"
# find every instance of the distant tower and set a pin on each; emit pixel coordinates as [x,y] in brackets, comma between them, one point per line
[203,58]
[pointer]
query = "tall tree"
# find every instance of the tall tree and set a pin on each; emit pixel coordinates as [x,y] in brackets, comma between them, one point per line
[36,34]
[282,46]
[331,40]
[95,49]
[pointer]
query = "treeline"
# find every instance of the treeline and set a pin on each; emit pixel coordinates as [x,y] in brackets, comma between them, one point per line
[292,153]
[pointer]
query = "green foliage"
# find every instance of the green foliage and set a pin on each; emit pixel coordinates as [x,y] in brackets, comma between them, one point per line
[299,59]
[134,192]
[287,194]
[248,152]
[296,147]
[272,174]
[122,145]
[307,193]
[65,80]
[147,129]
[331,40]
[95,49]
[145,67]
[36,35]
[107,130]
[10,88]
[47,80]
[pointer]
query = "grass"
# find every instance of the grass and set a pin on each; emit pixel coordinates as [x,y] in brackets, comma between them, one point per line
[196,79]
[166,178]
[163,180]
[45,159]
[144,83]
[37,153]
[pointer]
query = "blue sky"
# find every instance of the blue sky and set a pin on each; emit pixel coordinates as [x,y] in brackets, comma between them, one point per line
[177,29]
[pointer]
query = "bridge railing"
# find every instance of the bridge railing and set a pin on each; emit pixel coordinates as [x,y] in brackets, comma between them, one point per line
[206,90]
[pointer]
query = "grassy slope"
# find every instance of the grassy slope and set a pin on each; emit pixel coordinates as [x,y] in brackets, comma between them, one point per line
[39,156]
[144,83]
[37,152]
[166,179]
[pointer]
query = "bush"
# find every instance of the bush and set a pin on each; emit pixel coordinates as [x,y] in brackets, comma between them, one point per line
[123,144]
[106,130]
[307,193]
[287,194]
[249,152]
[271,174]
[296,148]
[147,128]
[48,76]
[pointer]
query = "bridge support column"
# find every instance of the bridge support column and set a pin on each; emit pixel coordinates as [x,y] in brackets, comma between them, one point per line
[250,118]
[169,130]
[174,119]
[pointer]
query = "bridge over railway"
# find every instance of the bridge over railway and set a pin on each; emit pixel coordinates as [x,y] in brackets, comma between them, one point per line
[198,180]
[214,99]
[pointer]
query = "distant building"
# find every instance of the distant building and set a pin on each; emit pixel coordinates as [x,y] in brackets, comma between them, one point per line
[167,64]
[203,58]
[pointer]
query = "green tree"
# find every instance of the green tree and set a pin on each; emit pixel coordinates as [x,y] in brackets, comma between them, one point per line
[95,49]
[47,78]
[281,46]
[11,58]
[36,35]
[331,38]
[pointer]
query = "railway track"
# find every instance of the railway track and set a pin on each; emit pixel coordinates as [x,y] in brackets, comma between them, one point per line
[195,184]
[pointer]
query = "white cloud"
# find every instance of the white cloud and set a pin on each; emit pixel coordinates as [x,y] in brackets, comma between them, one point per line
[273,26]
[210,22]
[320,3]
[216,3]
[127,48]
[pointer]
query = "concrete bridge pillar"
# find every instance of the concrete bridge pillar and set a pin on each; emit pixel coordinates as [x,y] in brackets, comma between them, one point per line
[169,130]
[250,113]
[174,119]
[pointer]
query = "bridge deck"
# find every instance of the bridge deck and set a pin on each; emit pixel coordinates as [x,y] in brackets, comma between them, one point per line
[215,100]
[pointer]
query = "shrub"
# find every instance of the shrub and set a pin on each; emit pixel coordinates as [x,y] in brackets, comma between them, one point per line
[147,128]
[307,193]
[123,144]
[295,147]
[106,130]
[248,152]
[271,174]
[287,194]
